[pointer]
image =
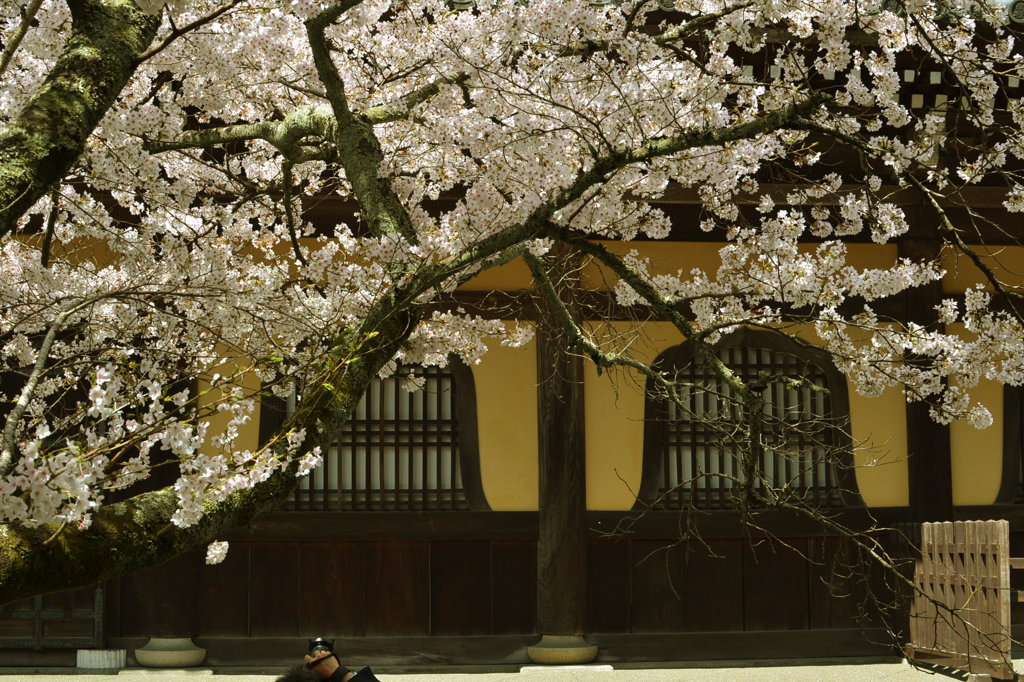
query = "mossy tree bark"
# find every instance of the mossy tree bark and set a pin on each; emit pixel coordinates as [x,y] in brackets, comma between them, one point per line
[41,144]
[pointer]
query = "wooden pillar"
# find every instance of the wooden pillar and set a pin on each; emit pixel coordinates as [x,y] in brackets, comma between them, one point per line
[167,596]
[562,538]
[928,447]
[561,546]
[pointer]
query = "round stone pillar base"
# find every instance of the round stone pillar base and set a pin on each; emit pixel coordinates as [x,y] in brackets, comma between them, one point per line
[170,652]
[562,650]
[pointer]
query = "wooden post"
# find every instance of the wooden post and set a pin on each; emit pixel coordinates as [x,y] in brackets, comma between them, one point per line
[168,599]
[928,448]
[561,548]
[562,538]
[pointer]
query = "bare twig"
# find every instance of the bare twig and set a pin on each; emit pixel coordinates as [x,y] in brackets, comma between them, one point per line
[187,28]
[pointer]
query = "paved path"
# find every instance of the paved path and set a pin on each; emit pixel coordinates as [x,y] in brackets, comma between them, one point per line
[872,672]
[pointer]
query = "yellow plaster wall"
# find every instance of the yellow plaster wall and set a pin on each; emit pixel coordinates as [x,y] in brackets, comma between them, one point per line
[977,454]
[878,425]
[878,428]
[665,257]
[614,408]
[1007,262]
[506,404]
[670,257]
[239,375]
[871,255]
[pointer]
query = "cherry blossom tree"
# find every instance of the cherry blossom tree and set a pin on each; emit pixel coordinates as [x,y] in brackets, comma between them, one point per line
[158,165]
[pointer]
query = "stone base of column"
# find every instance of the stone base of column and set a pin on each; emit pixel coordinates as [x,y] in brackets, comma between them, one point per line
[170,652]
[562,650]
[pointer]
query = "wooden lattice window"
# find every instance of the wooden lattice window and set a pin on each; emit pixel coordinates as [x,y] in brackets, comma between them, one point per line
[695,449]
[402,450]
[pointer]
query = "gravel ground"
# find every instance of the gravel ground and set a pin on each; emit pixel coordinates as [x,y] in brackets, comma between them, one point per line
[870,672]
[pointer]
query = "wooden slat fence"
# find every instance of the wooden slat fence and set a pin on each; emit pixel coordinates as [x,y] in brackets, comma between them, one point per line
[960,613]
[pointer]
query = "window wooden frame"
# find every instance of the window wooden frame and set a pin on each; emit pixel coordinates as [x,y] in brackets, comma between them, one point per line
[682,355]
[273,412]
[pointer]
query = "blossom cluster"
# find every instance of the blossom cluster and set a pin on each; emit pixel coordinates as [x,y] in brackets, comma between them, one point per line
[517,123]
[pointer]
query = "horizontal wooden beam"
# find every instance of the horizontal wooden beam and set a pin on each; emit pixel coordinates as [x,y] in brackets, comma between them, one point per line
[978,197]
[522,525]
[598,304]
[727,524]
[376,526]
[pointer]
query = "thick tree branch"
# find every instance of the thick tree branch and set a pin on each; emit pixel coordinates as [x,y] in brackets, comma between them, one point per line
[285,135]
[123,538]
[39,146]
[27,17]
[358,147]
[400,108]
[308,121]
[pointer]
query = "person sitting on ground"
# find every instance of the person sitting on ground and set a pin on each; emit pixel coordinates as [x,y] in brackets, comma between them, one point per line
[324,665]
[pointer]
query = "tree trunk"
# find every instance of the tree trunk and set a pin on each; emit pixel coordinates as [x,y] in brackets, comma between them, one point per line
[41,144]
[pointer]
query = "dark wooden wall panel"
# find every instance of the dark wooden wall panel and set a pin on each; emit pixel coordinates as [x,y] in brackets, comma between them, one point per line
[609,572]
[712,590]
[513,588]
[223,606]
[83,600]
[775,585]
[831,577]
[460,588]
[332,594]
[17,629]
[837,582]
[161,601]
[273,596]
[657,587]
[440,578]
[398,588]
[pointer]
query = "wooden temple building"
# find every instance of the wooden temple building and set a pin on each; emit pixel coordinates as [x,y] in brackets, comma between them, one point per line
[529,495]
